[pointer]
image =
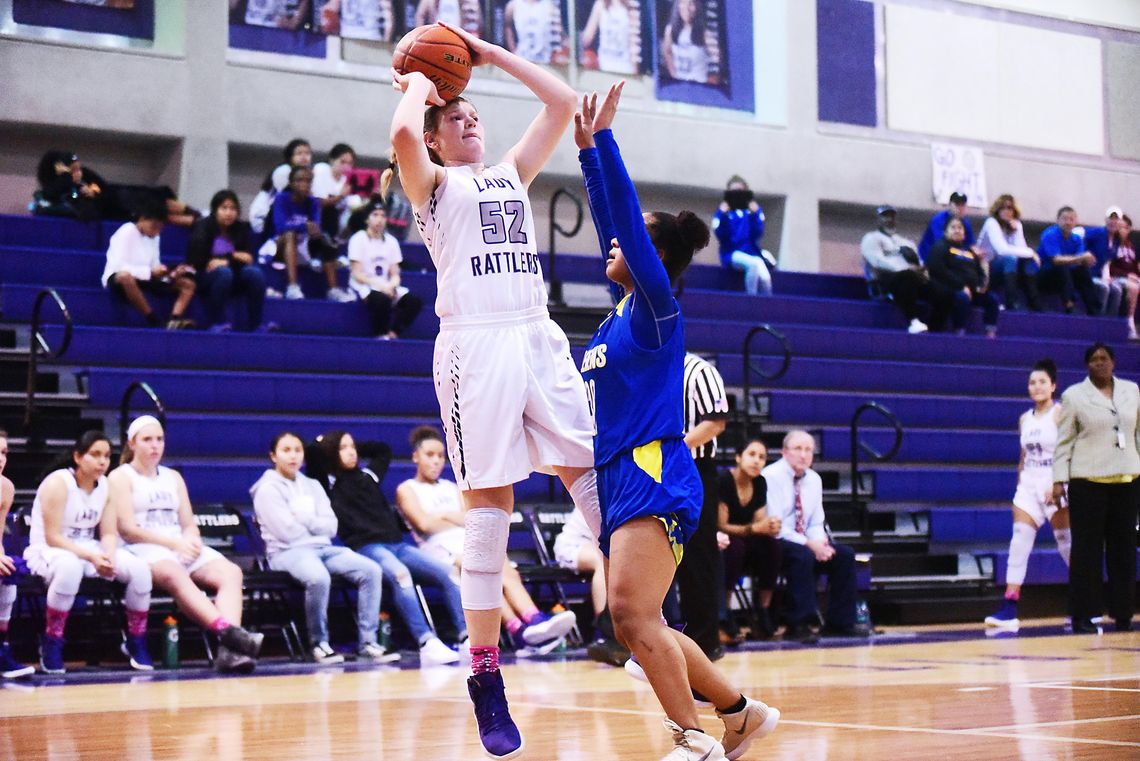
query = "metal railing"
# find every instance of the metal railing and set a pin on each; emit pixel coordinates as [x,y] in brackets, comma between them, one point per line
[125,409]
[750,368]
[556,227]
[39,345]
[876,456]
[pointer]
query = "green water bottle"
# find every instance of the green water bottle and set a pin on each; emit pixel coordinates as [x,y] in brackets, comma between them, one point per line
[384,636]
[170,643]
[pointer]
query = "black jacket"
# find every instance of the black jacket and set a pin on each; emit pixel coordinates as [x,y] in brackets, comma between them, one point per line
[955,266]
[364,515]
[200,248]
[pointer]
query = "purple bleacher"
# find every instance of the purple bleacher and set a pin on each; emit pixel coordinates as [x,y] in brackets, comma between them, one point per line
[954,524]
[930,445]
[49,232]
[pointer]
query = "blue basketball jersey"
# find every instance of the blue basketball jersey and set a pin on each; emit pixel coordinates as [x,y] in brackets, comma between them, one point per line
[635,393]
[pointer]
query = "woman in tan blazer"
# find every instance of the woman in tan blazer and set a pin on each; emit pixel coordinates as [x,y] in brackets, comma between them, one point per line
[1097,457]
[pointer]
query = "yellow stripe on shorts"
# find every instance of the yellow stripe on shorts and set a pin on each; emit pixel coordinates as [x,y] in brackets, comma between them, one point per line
[673,534]
[648,458]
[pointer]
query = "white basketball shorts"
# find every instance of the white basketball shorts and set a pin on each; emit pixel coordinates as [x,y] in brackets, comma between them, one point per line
[511,398]
[153,553]
[1032,489]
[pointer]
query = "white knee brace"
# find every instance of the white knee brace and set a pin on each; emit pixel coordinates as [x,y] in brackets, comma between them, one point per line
[584,492]
[1019,548]
[484,551]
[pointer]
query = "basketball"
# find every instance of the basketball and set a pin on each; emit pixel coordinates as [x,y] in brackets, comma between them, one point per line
[439,54]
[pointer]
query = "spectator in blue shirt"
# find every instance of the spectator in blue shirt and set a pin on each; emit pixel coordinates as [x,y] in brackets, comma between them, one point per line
[1066,265]
[739,226]
[937,226]
[296,224]
[1099,243]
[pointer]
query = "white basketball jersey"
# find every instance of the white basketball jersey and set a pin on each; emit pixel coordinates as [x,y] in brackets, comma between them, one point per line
[533,29]
[613,39]
[439,498]
[448,12]
[1039,440]
[691,61]
[479,229]
[81,513]
[265,12]
[361,19]
[155,501]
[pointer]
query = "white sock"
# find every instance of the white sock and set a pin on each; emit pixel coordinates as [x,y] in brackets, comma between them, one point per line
[1019,548]
[1064,539]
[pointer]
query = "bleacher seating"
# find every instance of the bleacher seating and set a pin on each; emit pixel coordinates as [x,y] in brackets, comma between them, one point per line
[958,398]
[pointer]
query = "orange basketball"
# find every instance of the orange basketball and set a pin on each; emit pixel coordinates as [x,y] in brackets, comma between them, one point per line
[439,54]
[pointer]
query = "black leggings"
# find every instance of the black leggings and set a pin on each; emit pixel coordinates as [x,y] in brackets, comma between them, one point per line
[386,316]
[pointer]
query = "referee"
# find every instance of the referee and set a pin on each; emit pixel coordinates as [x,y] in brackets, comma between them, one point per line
[700,577]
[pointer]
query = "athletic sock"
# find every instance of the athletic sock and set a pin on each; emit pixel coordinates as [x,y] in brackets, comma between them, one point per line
[136,622]
[219,625]
[484,660]
[55,621]
[513,627]
[1013,595]
[736,707]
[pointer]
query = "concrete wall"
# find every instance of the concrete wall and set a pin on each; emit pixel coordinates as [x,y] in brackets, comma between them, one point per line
[210,117]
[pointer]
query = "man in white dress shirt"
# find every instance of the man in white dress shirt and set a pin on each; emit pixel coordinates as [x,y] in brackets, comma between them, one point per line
[795,498]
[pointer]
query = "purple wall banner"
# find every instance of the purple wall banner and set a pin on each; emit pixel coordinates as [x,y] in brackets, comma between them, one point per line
[845,36]
[133,18]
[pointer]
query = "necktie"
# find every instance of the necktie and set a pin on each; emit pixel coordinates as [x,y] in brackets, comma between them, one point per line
[799,505]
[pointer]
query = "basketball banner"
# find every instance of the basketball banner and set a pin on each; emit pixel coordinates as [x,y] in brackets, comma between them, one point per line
[532,29]
[355,19]
[700,57]
[615,36]
[465,14]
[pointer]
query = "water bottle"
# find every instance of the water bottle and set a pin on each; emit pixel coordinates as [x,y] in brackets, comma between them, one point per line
[862,614]
[384,636]
[170,643]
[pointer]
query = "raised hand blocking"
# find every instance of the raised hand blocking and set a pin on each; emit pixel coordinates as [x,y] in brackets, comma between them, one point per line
[591,119]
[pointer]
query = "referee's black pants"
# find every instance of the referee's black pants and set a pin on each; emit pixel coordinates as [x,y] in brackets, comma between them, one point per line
[1103,521]
[700,577]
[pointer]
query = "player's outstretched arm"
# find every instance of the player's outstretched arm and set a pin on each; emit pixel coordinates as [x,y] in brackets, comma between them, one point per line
[595,185]
[419,176]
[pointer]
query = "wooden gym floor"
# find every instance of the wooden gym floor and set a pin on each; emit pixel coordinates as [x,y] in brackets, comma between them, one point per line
[908,695]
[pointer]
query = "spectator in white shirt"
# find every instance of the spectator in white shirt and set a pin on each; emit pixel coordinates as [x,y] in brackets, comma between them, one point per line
[891,261]
[133,267]
[375,259]
[795,499]
[332,188]
[1012,262]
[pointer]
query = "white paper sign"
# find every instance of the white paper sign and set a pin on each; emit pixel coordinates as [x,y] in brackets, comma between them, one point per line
[959,168]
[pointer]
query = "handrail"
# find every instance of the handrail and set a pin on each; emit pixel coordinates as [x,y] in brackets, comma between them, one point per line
[748,367]
[555,283]
[125,408]
[40,344]
[874,454]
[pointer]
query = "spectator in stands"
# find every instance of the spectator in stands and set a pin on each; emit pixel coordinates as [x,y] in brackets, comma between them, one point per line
[299,239]
[432,507]
[1033,502]
[891,262]
[332,188]
[154,515]
[1011,261]
[220,252]
[70,189]
[795,499]
[74,536]
[752,544]
[133,267]
[368,524]
[956,270]
[1099,241]
[1065,264]
[11,568]
[1122,272]
[296,153]
[1097,457]
[398,208]
[297,524]
[576,548]
[937,225]
[701,568]
[375,258]
[739,226]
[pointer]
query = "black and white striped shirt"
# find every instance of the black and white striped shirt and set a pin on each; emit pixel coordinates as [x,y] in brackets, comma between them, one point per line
[705,398]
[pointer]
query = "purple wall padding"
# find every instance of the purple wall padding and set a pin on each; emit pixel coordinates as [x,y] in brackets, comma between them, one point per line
[137,22]
[845,35]
[300,42]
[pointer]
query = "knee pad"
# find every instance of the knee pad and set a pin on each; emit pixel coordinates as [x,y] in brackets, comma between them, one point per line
[584,492]
[484,551]
[1020,545]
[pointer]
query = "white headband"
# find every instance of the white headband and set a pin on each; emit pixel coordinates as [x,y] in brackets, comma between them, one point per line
[139,423]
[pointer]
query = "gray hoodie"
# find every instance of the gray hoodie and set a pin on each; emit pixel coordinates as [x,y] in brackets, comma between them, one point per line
[293,513]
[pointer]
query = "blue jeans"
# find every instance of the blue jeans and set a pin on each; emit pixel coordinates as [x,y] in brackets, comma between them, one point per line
[312,566]
[405,565]
[757,278]
[216,287]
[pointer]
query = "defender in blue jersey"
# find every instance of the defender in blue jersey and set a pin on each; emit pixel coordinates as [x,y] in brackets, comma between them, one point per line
[648,486]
